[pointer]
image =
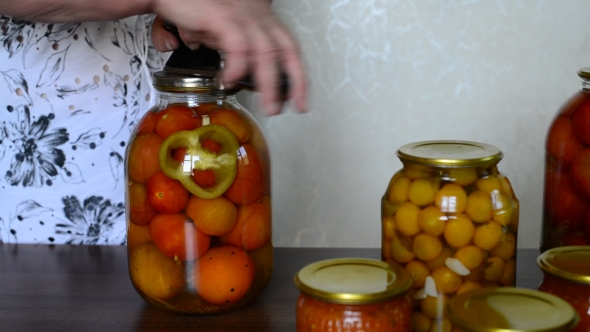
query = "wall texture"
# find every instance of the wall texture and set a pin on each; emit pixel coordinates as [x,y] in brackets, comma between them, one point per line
[384,73]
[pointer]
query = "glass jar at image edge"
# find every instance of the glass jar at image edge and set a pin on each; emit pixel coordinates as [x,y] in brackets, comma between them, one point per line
[566,274]
[353,295]
[198,201]
[566,207]
[450,218]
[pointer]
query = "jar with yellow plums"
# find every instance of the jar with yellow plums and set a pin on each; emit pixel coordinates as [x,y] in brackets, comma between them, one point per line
[451,219]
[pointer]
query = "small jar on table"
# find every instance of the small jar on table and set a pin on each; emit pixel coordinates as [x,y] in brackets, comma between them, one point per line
[566,274]
[353,295]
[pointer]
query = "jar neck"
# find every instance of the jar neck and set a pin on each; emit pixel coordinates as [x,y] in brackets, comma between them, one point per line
[586,84]
[192,98]
[443,171]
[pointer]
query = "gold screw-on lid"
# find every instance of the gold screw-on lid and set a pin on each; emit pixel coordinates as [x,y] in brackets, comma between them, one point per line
[353,280]
[570,263]
[182,82]
[450,154]
[507,309]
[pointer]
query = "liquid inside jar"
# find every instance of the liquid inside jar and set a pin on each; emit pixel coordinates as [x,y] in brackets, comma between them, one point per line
[566,209]
[198,206]
[392,315]
[453,230]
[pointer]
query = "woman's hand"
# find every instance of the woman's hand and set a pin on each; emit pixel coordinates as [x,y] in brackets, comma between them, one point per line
[250,37]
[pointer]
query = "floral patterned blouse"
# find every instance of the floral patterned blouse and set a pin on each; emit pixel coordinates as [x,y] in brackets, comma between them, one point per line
[70,95]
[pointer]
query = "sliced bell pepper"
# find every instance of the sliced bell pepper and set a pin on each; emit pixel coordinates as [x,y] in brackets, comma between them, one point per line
[197,157]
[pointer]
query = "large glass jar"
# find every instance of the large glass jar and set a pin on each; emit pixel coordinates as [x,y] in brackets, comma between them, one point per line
[566,208]
[198,200]
[566,273]
[353,295]
[451,219]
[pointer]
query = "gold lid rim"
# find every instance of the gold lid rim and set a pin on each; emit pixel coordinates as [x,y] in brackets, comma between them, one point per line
[402,284]
[494,156]
[542,261]
[584,73]
[458,302]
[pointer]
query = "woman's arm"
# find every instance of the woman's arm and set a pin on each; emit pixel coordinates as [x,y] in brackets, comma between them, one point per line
[54,11]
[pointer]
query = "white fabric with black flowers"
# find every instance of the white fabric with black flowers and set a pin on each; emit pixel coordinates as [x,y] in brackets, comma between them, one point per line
[69,96]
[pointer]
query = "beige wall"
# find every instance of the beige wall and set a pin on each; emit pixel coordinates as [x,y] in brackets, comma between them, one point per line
[385,73]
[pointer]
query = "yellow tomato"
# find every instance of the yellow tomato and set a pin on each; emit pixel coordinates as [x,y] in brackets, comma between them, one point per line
[432,221]
[493,269]
[398,193]
[434,307]
[508,274]
[439,260]
[489,184]
[451,198]
[470,256]
[406,219]
[479,206]
[506,248]
[459,230]
[446,280]
[468,285]
[487,236]
[401,250]
[388,227]
[463,176]
[503,210]
[427,247]
[421,192]
[418,271]
[420,322]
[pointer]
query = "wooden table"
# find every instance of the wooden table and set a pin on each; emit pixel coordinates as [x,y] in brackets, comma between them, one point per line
[87,288]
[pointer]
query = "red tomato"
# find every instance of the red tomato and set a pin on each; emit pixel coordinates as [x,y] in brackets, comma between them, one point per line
[580,173]
[176,118]
[140,210]
[575,240]
[143,157]
[564,206]
[561,141]
[147,123]
[204,178]
[176,236]
[247,187]
[581,123]
[211,145]
[179,154]
[166,195]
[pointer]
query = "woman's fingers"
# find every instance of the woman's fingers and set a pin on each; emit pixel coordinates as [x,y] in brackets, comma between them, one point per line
[163,40]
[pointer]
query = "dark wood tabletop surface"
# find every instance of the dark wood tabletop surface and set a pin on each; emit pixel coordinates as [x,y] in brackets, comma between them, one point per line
[87,288]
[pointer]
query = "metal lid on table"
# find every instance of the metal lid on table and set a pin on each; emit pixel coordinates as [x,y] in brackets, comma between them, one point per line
[570,263]
[450,153]
[353,280]
[507,309]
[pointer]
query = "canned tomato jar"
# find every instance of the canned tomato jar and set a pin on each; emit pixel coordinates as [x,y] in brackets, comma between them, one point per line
[510,310]
[353,295]
[566,199]
[198,199]
[450,218]
[567,275]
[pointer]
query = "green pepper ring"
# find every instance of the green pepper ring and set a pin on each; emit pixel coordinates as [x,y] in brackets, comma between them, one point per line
[225,161]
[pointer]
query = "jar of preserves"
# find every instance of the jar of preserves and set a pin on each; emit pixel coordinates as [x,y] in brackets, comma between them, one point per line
[450,218]
[566,207]
[511,309]
[198,195]
[353,295]
[566,273]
